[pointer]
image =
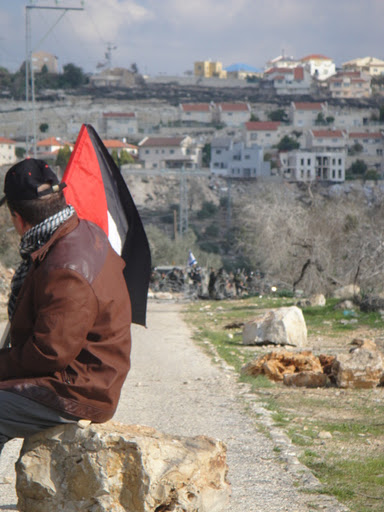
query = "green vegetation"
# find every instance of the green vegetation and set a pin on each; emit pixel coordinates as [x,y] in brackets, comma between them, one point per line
[287,144]
[349,461]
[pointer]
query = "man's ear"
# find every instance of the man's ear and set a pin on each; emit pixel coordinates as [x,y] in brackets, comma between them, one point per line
[20,224]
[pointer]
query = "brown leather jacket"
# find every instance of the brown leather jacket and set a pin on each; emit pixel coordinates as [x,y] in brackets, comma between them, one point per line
[70,333]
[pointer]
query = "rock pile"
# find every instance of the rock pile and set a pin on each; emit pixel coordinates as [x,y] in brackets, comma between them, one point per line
[361,367]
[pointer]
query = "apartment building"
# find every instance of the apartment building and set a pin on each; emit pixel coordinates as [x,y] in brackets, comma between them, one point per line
[235,160]
[368,65]
[309,166]
[209,69]
[288,80]
[350,84]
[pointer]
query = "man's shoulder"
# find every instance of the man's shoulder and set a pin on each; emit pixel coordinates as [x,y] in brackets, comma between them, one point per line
[83,250]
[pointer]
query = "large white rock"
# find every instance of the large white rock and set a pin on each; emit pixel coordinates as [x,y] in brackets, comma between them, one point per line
[346,292]
[282,326]
[120,468]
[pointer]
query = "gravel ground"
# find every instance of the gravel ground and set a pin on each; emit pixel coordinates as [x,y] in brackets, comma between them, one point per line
[174,387]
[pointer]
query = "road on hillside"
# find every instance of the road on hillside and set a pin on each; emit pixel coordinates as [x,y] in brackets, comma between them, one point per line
[176,388]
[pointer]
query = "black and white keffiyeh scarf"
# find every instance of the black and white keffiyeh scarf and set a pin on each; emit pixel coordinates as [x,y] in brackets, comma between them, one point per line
[32,240]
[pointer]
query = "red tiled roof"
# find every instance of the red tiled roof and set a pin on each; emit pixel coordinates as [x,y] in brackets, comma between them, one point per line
[114,143]
[196,107]
[302,105]
[315,56]
[53,141]
[278,70]
[234,107]
[119,114]
[298,73]
[328,133]
[162,141]
[267,126]
[365,135]
[4,140]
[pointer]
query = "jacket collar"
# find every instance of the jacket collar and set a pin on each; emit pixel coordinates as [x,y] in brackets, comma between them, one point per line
[65,228]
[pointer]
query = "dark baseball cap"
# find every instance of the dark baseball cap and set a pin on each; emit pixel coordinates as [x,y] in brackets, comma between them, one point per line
[24,178]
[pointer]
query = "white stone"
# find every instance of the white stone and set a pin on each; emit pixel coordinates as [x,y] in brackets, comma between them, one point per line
[283,326]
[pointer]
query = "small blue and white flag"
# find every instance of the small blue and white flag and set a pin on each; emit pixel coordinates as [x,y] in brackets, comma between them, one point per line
[191,259]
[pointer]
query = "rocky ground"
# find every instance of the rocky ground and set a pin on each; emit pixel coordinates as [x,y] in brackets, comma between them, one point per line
[176,388]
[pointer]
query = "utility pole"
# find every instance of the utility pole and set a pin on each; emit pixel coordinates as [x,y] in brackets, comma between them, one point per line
[183,214]
[29,72]
[229,203]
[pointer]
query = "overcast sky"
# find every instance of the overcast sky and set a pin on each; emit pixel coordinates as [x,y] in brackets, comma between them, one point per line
[168,36]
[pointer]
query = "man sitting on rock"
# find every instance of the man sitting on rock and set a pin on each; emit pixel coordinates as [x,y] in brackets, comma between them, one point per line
[69,312]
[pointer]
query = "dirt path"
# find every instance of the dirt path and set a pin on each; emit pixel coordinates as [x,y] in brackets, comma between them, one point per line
[174,387]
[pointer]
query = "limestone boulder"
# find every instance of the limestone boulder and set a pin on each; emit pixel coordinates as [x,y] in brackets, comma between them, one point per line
[282,326]
[312,301]
[277,364]
[120,468]
[306,379]
[346,292]
[361,367]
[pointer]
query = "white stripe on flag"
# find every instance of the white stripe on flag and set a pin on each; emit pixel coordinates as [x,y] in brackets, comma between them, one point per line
[113,235]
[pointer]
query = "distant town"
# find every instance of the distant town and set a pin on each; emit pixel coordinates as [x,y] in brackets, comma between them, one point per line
[298,120]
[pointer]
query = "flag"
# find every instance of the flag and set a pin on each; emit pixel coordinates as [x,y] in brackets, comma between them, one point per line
[191,259]
[98,192]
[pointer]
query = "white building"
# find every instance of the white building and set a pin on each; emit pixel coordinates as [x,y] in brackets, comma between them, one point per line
[368,65]
[305,114]
[233,114]
[170,153]
[319,66]
[235,160]
[196,113]
[7,151]
[370,142]
[288,80]
[309,166]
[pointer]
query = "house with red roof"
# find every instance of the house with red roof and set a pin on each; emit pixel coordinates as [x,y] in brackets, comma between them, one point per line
[305,114]
[233,114]
[7,151]
[371,144]
[192,113]
[288,80]
[119,146]
[326,139]
[49,147]
[262,133]
[350,84]
[170,153]
[319,66]
[119,124]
